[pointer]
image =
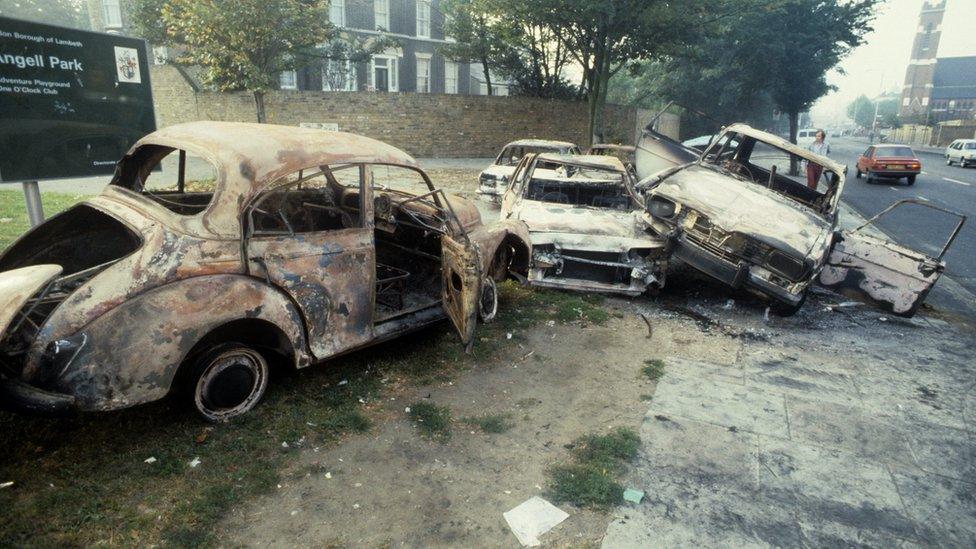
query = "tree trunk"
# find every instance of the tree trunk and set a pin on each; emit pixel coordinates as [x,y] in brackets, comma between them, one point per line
[484,67]
[259,106]
[794,122]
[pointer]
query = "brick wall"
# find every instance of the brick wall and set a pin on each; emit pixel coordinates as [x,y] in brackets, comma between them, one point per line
[425,125]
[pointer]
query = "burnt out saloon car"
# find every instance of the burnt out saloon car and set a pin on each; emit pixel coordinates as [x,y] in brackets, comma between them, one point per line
[253,245]
[494,179]
[759,213]
[585,225]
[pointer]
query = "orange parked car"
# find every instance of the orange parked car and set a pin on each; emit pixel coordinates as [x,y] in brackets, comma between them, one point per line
[894,161]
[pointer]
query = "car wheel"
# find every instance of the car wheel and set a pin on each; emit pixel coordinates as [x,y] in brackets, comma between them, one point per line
[870,179]
[228,381]
[910,179]
[781,308]
[964,163]
[948,161]
[857,174]
[488,301]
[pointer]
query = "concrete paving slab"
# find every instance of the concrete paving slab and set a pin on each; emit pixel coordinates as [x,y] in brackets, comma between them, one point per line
[722,403]
[943,509]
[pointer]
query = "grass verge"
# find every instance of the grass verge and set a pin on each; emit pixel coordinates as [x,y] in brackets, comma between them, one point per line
[431,420]
[494,423]
[653,369]
[13,212]
[591,479]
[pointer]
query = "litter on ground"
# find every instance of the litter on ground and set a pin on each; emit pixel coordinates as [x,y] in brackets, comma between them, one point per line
[532,518]
[633,496]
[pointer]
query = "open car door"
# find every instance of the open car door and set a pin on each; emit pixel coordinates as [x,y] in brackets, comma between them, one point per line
[461,283]
[884,274]
[656,151]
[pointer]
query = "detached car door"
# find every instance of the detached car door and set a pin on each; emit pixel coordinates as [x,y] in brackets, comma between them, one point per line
[881,273]
[301,238]
[461,284]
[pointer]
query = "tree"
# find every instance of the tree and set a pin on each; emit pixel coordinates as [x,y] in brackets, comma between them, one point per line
[535,59]
[241,45]
[861,111]
[798,42]
[478,36]
[67,13]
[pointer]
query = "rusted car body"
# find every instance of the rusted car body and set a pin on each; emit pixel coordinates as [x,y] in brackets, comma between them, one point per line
[295,254]
[493,180]
[743,213]
[585,225]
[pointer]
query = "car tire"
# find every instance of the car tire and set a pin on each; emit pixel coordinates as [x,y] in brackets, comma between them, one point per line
[488,300]
[870,179]
[963,163]
[948,160]
[857,174]
[783,309]
[228,381]
[910,179]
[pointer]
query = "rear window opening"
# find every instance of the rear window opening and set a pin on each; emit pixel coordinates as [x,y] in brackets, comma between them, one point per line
[578,186]
[176,179]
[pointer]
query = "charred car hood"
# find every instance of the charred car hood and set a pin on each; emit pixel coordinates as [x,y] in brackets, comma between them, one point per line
[745,207]
[585,228]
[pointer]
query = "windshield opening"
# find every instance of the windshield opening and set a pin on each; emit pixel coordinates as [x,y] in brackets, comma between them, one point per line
[511,155]
[575,185]
[806,182]
[176,179]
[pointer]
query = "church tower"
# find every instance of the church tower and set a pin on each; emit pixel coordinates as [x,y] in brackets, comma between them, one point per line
[921,68]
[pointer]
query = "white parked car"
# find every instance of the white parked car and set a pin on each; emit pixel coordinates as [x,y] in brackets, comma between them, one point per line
[806,136]
[962,152]
[494,179]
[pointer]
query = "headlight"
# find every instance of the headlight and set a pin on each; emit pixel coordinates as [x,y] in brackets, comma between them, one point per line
[790,267]
[58,356]
[660,207]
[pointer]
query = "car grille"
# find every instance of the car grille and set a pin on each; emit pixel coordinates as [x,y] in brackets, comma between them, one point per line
[729,246]
[588,271]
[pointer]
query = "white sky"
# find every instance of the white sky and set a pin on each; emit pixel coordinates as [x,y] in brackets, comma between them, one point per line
[886,52]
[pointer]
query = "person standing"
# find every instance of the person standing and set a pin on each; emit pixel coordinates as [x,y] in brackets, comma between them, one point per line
[819,146]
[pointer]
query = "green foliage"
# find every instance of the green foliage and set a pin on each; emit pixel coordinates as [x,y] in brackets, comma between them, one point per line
[13,212]
[592,479]
[653,369]
[431,420]
[478,36]
[491,423]
[66,13]
[862,110]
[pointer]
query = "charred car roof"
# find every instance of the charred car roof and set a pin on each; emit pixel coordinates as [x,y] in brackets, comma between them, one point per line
[586,161]
[541,143]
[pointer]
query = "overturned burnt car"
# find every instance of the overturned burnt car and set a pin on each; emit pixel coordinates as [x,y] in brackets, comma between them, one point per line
[585,225]
[760,214]
[494,179]
[254,245]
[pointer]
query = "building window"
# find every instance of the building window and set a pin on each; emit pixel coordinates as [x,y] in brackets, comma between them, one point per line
[112,13]
[423,18]
[384,73]
[904,102]
[338,75]
[925,101]
[381,14]
[450,77]
[337,12]
[288,80]
[423,73]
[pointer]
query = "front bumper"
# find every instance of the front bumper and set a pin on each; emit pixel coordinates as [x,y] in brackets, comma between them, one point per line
[548,270]
[18,396]
[741,275]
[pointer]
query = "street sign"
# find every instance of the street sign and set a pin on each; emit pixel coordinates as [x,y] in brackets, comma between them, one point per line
[71,102]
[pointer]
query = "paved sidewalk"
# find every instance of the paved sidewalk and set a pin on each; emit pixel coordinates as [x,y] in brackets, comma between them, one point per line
[832,436]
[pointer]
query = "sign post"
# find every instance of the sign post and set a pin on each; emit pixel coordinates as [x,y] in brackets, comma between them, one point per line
[72,102]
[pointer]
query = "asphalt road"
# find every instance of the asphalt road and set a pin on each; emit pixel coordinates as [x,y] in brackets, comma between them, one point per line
[921,228]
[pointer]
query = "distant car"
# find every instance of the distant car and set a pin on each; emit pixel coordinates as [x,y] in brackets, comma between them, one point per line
[894,161]
[494,179]
[806,136]
[962,151]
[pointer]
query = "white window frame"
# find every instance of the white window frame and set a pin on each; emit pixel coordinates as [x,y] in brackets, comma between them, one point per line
[423,18]
[112,12]
[425,59]
[293,76]
[337,12]
[391,66]
[381,14]
[350,69]
[451,72]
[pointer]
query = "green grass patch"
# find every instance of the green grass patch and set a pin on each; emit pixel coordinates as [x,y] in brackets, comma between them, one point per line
[431,420]
[13,212]
[592,478]
[653,369]
[493,423]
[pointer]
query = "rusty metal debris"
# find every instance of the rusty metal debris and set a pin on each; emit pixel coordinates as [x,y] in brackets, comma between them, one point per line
[307,244]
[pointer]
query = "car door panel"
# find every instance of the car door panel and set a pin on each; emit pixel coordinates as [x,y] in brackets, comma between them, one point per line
[884,274]
[461,284]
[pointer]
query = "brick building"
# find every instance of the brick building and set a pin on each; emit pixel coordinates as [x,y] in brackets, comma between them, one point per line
[936,89]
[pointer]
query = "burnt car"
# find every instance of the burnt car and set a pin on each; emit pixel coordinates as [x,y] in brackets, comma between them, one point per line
[299,246]
[760,213]
[585,225]
[493,180]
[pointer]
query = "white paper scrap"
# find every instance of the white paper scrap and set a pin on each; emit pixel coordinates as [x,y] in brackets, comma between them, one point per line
[532,518]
